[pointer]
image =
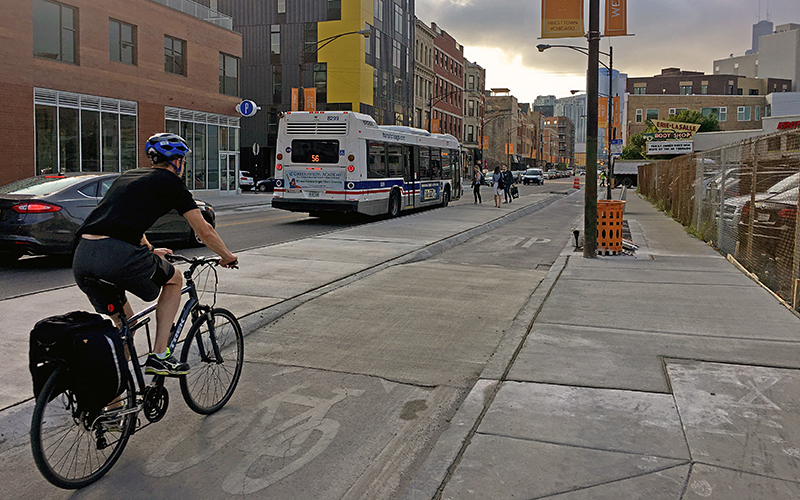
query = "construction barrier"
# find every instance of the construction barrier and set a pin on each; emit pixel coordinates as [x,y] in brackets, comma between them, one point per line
[609,227]
[577,183]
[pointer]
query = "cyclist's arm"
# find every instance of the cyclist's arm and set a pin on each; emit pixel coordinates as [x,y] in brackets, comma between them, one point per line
[209,236]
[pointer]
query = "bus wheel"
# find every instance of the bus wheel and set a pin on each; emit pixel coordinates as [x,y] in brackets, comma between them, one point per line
[627,182]
[394,204]
[445,197]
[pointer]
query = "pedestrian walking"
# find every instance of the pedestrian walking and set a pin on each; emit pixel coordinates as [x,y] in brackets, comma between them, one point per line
[497,180]
[508,181]
[602,178]
[477,180]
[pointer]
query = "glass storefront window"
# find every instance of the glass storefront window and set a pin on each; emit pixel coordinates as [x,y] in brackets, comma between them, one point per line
[188,135]
[110,124]
[90,141]
[199,153]
[127,139]
[69,153]
[46,140]
[213,157]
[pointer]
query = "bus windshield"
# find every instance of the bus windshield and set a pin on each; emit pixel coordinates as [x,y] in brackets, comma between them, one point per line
[315,151]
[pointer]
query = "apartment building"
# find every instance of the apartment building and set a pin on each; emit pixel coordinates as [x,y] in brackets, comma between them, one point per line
[424,75]
[559,141]
[448,88]
[474,104]
[85,82]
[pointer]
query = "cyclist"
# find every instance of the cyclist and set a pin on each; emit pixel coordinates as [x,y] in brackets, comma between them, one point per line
[111,245]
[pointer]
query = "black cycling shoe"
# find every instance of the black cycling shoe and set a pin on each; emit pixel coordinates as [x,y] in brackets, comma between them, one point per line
[169,366]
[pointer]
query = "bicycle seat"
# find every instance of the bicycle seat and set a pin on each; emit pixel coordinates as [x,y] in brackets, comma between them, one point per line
[113,295]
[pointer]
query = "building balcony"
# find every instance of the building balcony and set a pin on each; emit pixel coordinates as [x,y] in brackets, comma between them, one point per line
[194,9]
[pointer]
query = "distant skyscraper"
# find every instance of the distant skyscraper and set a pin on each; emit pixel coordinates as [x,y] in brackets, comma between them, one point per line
[760,29]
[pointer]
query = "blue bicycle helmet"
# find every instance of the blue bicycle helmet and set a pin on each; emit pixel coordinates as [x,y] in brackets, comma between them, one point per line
[166,147]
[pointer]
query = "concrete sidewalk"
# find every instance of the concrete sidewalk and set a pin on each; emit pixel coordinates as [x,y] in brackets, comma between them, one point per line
[668,375]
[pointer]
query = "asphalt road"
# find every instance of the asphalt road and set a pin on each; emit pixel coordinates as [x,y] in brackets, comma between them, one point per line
[240,228]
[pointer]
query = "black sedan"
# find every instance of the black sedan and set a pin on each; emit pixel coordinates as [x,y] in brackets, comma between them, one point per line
[40,215]
[265,185]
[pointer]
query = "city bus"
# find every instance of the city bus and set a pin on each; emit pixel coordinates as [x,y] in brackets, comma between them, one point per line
[341,161]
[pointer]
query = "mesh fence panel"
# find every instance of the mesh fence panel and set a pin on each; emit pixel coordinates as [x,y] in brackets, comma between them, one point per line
[741,198]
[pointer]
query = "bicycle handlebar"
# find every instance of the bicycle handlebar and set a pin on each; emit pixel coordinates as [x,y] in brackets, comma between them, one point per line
[199,261]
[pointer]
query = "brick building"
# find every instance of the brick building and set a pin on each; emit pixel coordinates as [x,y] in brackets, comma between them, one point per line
[475,102]
[734,112]
[559,141]
[83,83]
[448,86]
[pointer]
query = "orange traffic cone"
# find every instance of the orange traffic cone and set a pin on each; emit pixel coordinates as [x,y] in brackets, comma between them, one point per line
[577,183]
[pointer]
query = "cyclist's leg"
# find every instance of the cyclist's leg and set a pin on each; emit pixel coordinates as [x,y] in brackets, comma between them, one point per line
[169,301]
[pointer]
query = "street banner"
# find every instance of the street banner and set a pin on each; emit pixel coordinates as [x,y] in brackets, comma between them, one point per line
[562,18]
[310,99]
[509,148]
[435,126]
[295,99]
[485,142]
[616,18]
[602,114]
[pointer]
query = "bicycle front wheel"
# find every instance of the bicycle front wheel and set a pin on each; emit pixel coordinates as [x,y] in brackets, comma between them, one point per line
[70,451]
[214,350]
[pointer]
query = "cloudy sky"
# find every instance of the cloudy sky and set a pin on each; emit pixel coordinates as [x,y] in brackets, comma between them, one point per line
[501,36]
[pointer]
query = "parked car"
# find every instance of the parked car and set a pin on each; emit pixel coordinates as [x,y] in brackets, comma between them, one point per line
[265,185]
[246,181]
[488,180]
[533,176]
[40,215]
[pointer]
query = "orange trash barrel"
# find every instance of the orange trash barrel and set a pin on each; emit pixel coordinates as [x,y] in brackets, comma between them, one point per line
[609,227]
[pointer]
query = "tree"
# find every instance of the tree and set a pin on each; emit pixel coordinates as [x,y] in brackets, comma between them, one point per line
[635,148]
[707,123]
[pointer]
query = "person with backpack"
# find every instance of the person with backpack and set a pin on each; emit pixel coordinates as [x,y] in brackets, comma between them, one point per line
[111,245]
[477,180]
[508,181]
[499,186]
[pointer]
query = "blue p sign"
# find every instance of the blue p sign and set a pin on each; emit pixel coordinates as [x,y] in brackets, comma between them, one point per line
[247,108]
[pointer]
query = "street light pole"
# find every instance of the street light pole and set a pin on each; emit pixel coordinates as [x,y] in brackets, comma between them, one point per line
[590,192]
[610,123]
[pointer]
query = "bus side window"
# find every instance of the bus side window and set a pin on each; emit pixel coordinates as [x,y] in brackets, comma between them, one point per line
[376,160]
[424,164]
[395,160]
[447,169]
[436,163]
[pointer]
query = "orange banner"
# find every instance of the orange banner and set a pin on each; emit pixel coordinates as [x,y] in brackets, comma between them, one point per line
[563,18]
[602,114]
[509,148]
[616,18]
[295,99]
[435,126]
[485,142]
[310,102]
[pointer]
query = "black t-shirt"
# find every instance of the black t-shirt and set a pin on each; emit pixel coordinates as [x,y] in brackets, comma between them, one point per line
[135,201]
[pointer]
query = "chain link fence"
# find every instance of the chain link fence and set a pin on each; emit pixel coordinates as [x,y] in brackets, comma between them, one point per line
[742,199]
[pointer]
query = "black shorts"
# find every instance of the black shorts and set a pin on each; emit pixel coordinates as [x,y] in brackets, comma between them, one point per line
[132,268]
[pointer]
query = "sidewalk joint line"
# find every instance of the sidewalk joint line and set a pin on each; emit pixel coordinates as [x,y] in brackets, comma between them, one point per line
[495,389]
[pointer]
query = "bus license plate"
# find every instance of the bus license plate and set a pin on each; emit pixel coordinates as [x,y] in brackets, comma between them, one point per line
[313,194]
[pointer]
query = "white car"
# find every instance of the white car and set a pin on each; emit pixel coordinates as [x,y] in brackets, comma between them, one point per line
[246,182]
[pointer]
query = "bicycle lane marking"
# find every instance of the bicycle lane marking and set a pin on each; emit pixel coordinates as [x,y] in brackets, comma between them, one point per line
[217,431]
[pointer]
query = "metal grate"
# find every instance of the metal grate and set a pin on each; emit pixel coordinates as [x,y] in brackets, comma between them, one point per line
[316,128]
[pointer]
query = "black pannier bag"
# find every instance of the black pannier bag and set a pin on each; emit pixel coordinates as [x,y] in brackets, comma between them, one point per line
[91,349]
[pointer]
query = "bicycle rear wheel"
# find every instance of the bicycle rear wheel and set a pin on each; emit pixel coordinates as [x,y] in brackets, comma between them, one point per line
[214,349]
[70,451]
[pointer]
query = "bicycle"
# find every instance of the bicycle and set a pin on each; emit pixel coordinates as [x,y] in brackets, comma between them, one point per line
[73,450]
